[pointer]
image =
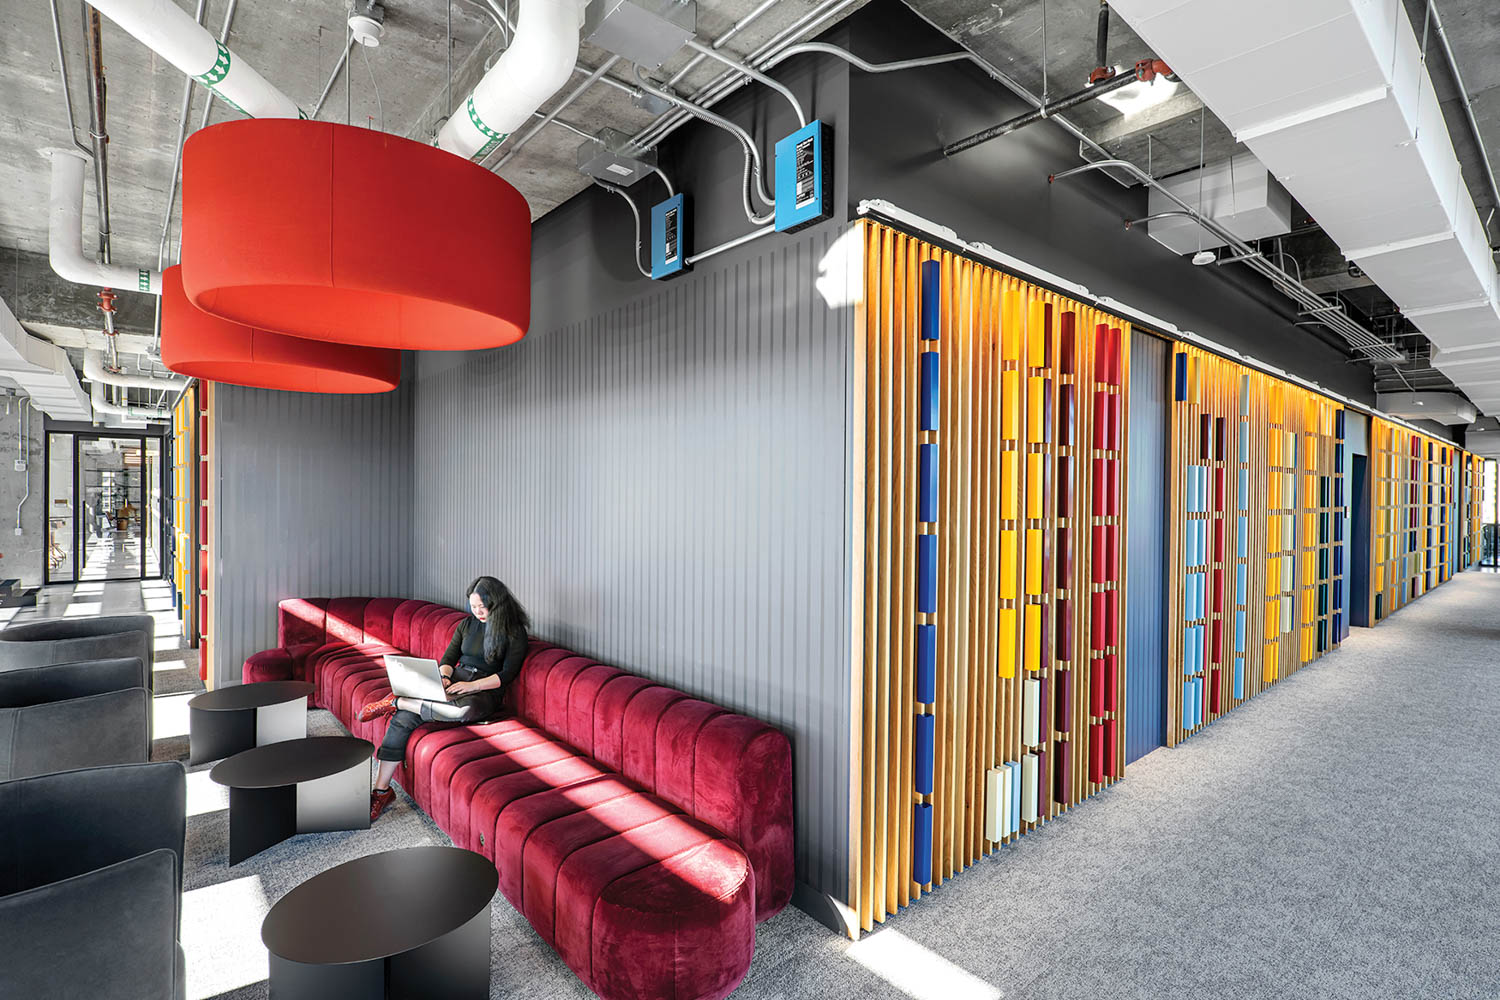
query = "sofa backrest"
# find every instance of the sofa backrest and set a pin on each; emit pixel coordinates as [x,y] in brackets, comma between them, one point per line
[732,772]
[729,771]
[421,628]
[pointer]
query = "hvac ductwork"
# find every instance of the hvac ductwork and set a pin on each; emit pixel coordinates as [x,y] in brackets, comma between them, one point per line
[94,371]
[1333,96]
[170,32]
[536,65]
[65,232]
[104,408]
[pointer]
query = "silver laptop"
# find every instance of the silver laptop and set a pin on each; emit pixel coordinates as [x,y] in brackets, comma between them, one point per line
[415,677]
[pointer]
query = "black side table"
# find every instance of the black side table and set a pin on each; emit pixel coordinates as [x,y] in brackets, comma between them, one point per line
[411,924]
[224,722]
[311,785]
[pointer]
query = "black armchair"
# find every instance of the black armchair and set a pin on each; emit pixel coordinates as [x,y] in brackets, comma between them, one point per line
[69,640]
[91,883]
[92,731]
[60,681]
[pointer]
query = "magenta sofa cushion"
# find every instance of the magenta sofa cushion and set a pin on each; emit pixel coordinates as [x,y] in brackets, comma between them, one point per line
[641,832]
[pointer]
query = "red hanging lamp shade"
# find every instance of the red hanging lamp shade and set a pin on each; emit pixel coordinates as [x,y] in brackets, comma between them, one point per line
[216,350]
[352,236]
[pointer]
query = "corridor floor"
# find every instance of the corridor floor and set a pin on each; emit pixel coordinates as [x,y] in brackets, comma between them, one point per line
[1336,837]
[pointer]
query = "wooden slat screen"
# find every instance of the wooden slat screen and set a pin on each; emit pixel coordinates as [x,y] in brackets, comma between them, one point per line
[1025,533]
[1257,499]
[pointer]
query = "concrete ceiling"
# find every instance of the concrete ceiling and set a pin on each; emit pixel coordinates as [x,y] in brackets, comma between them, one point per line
[1165,139]
[401,86]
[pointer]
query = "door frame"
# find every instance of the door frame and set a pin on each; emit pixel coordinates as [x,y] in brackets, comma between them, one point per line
[89,432]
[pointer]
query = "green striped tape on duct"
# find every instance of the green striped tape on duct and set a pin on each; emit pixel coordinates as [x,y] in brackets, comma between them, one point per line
[492,137]
[216,74]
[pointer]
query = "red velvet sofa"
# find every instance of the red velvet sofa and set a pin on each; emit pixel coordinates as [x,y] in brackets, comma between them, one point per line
[642,833]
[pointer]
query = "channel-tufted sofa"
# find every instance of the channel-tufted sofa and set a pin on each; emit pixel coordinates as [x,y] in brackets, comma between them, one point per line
[642,833]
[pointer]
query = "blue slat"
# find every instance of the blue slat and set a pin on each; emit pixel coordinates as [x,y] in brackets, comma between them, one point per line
[921,843]
[930,398]
[927,573]
[932,300]
[926,664]
[924,736]
[1180,391]
[927,482]
[1239,677]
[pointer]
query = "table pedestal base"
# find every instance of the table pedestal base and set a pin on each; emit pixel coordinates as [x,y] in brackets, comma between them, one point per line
[456,966]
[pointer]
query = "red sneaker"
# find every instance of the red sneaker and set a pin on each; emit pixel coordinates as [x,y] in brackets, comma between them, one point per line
[378,709]
[379,799]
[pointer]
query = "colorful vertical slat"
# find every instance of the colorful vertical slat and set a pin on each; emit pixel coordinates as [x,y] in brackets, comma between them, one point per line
[1256,496]
[993,447]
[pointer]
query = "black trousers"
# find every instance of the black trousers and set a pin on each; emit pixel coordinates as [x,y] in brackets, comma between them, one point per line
[468,708]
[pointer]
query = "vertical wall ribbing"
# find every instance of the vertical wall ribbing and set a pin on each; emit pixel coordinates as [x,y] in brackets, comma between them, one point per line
[662,485]
[314,498]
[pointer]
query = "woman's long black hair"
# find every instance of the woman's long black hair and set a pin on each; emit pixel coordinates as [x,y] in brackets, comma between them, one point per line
[506,616]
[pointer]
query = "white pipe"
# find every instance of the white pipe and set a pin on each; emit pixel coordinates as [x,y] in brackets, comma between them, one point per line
[537,64]
[94,371]
[170,32]
[103,408]
[65,233]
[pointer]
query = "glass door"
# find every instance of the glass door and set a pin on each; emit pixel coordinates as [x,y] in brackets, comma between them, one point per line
[111,523]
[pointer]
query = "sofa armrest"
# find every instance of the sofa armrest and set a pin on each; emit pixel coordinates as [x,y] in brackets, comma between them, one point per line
[55,826]
[100,729]
[742,786]
[61,681]
[108,934]
[268,665]
[74,649]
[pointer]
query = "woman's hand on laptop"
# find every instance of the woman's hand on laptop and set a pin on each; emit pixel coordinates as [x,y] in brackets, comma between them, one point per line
[461,687]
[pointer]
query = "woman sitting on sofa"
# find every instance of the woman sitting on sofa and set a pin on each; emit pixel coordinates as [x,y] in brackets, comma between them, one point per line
[486,653]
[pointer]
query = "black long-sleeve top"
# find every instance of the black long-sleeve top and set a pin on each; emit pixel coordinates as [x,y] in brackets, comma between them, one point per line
[467,647]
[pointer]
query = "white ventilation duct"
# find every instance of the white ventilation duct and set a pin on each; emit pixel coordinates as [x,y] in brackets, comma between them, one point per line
[536,65]
[94,371]
[104,408]
[41,370]
[65,232]
[1333,97]
[1439,407]
[170,32]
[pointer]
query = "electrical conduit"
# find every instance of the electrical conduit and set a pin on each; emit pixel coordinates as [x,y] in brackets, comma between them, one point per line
[170,32]
[536,65]
[65,232]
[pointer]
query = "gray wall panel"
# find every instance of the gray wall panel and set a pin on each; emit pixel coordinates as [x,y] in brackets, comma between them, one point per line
[1145,535]
[314,496]
[662,484]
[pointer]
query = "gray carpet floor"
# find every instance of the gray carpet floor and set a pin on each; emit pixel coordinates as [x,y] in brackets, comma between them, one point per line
[1338,836]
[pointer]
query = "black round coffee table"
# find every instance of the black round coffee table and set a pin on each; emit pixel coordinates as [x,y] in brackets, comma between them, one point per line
[235,718]
[411,923]
[311,785]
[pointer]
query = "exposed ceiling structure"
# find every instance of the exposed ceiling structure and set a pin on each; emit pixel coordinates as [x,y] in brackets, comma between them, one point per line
[432,52]
[1049,46]
[405,86]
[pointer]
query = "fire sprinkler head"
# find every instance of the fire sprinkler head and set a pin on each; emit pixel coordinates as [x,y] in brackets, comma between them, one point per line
[1204,257]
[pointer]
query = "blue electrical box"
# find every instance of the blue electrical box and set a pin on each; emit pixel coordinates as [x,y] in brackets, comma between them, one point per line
[804,177]
[669,238]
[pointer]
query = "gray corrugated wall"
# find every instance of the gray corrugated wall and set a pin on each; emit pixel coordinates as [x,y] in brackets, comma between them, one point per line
[662,484]
[1145,534]
[314,499]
